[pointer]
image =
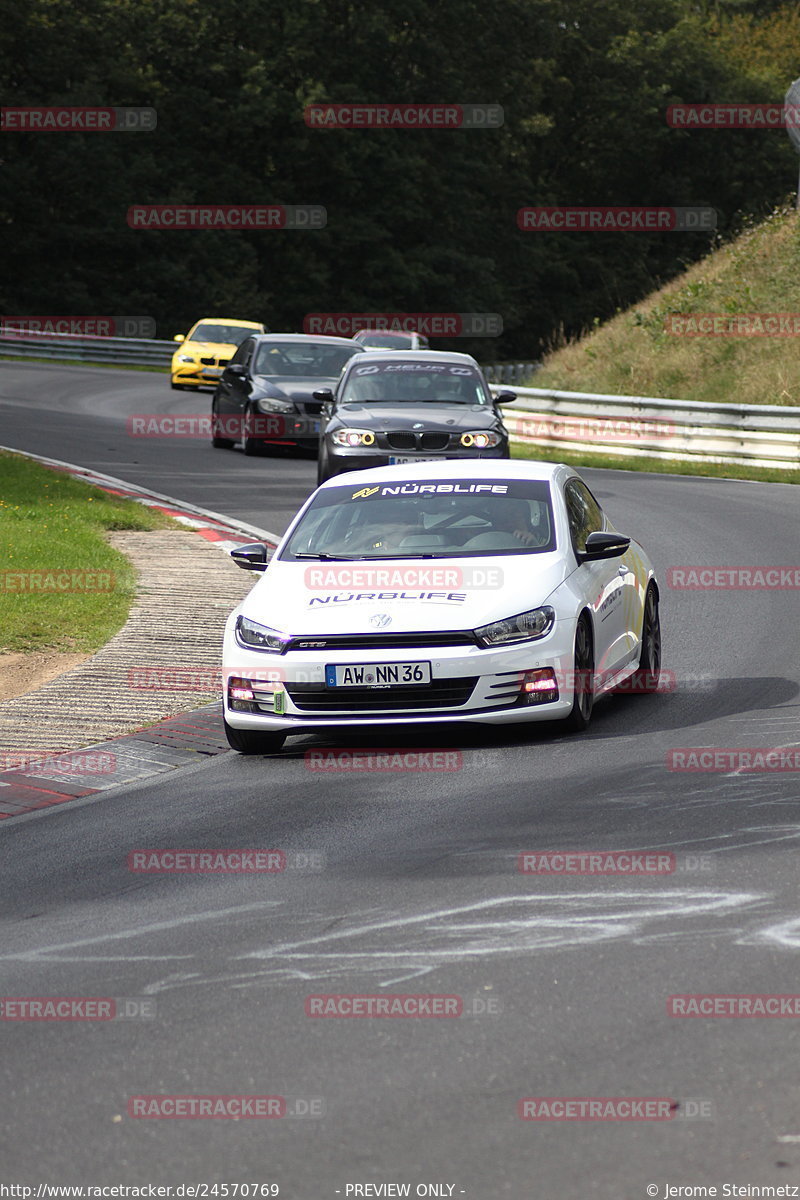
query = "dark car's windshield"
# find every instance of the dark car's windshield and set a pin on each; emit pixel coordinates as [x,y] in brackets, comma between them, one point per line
[422,518]
[316,360]
[232,335]
[414,383]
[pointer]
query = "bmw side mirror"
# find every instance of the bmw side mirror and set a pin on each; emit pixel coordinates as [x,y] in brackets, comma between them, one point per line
[603,545]
[325,395]
[253,556]
[505,397]
[179,337]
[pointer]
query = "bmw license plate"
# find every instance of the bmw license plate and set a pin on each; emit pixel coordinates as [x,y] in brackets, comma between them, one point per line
[211,372]
[378,674]
[396,460]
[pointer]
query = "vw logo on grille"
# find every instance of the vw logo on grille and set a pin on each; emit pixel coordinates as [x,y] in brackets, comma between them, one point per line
[380,620]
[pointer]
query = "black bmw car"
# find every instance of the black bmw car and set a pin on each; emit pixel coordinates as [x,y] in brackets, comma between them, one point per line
[407,406]
[266,394]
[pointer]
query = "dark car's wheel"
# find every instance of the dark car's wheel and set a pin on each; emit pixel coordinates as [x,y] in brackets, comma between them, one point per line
[251,446]
[219,443]
[253,741]
[583,687]
[650,657]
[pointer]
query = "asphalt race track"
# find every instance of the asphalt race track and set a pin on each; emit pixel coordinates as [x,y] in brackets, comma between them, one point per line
[416,890]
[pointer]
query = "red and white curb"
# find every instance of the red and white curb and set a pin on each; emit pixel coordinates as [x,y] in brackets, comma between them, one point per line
[224,532]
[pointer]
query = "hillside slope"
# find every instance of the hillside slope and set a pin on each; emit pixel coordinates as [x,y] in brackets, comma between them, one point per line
[639,353]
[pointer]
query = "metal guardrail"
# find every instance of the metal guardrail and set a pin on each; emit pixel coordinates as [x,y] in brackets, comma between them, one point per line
[122,352]
[635,426]
[146,352]
[510,372]
[761,435]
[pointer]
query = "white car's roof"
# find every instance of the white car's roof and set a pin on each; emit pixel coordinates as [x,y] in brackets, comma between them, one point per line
[393,356]
[466,469]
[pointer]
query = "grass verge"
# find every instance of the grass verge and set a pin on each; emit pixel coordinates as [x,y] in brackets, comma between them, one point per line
[62,587]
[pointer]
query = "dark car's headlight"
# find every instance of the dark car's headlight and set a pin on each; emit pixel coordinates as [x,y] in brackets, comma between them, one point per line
[259,637]
[353,437]
[525,627]
[482,439]
[269,405]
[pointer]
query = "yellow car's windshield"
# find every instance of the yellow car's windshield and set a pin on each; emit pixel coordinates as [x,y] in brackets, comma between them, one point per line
[224,334]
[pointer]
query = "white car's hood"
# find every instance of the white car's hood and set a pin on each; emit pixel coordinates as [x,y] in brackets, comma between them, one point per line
[314,597]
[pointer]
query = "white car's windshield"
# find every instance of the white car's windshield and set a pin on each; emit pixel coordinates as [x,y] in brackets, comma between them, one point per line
[423,519]
[414,383]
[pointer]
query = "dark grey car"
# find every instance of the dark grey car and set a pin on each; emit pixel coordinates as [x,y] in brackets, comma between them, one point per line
[265,396]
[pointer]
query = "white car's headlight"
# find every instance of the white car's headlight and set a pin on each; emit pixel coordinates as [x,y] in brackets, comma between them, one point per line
[482,439]
[266,404]
[525,627]
[353,437]
[259,637]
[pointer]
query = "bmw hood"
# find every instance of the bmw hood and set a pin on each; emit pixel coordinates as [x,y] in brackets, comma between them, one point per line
[439,417]
[400,595]
[291,388]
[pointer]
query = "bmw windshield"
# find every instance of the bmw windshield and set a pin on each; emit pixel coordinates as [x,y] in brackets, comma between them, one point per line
[308,360]
[415,383]
[222,335]
[437,519]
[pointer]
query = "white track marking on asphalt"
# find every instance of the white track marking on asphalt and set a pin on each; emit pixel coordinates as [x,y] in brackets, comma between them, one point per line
[785,934]
[580,920]
[158,927]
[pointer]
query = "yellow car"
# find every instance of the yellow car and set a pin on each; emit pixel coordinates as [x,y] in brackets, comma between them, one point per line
[207,349]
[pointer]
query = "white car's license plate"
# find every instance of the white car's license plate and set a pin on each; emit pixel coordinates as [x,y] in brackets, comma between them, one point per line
[378,674]
[396,460]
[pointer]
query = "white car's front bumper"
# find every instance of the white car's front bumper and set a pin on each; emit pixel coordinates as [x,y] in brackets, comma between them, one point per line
[468,683]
